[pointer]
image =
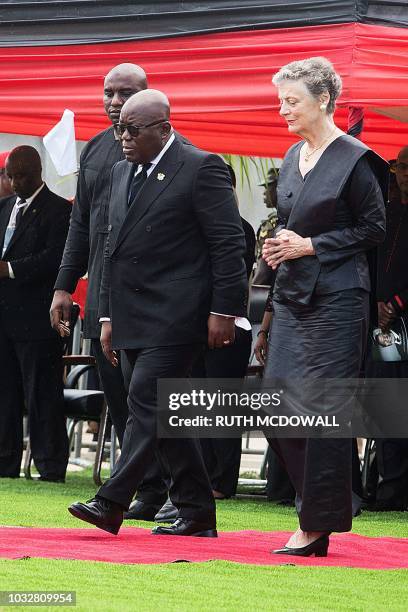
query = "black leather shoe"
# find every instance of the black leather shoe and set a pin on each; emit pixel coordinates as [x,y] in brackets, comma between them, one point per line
[99,512]
[140,511]
[383,506]
[51,479]
[318,548]
[185,527]
[167,514]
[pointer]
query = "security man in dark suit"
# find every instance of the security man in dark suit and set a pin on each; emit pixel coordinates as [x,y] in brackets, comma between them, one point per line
[33,228]
[84,252]
[86,237]
[174,278]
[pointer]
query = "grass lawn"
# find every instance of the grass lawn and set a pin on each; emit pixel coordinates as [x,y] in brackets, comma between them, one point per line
[216,585]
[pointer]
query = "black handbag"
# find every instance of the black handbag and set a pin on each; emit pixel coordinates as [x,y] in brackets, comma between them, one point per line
[391,345]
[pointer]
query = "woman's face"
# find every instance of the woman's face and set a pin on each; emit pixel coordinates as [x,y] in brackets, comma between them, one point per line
[300,109]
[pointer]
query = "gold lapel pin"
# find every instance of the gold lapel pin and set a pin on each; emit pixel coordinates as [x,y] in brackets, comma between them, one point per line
[161,176]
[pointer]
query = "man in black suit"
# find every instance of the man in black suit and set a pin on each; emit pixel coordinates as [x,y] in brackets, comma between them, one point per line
[173,278]
[33,229]
[88,228]
[84,252]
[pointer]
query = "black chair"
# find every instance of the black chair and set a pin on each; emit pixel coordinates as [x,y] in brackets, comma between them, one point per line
[80,405]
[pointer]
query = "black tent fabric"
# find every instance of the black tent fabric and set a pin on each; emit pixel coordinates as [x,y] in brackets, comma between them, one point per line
[62,22]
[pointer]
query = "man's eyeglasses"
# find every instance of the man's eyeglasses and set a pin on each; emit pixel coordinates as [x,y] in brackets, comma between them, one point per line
[133,130]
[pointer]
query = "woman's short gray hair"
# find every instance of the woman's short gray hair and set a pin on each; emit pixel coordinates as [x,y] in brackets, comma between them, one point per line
[318,75]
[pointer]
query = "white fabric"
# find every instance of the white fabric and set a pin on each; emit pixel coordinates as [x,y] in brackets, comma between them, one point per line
[60,144]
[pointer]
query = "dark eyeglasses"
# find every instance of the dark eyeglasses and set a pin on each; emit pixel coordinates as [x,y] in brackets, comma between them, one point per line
[133,130]
[399,166]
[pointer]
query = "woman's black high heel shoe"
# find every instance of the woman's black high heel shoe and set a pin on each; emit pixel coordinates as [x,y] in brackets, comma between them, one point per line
[318,548]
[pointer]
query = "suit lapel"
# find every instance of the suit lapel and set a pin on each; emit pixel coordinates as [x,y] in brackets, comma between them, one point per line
[5,213]
[158,181]
[29,216]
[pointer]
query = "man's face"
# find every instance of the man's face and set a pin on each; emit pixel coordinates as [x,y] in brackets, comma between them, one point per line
[401,172]
[118,88]
[24,182]
[5,186]
[269,195]
[149,142]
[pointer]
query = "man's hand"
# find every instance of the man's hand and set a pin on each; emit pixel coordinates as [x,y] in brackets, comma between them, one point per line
[221,331]
[286,245]
[106,343]
[4,271]
[60,312]
[386,315]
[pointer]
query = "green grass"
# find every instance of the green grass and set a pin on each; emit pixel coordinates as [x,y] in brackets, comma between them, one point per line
[216,585]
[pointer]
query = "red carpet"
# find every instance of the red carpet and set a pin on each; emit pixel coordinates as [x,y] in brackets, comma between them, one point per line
[134,545]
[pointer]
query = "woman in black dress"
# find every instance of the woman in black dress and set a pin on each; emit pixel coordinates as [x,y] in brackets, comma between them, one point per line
[331,213]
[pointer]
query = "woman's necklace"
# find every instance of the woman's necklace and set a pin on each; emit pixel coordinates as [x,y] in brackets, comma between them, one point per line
[308,154]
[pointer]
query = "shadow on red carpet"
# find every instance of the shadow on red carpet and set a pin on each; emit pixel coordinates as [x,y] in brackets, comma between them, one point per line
[135,545]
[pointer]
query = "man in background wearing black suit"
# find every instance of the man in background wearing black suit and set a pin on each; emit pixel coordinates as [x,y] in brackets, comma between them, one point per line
[88,228]
[173,279]
[33,229]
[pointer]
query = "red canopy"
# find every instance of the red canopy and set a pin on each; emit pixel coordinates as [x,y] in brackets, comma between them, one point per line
[219,85]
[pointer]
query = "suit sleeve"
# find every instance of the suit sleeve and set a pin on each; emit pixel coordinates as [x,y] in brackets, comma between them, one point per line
[74,262]
[104,293]
[218,215]
[44,264]
[368,212]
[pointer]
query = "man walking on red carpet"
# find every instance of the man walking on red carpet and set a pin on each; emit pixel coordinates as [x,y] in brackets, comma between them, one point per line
[175,201]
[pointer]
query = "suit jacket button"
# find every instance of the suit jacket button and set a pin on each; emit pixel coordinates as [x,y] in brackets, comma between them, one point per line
[148,228]
[288,194]
[109,227]
[135,260]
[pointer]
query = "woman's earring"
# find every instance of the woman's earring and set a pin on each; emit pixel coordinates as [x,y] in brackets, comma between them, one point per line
[323,108]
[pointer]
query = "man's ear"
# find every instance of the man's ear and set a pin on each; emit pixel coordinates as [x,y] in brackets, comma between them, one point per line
[166,129]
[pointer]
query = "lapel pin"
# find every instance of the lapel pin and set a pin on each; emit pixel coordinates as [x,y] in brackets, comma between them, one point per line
[161,176]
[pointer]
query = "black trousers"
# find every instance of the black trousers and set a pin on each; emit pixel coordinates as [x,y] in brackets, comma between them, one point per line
[392,461]
[222,456]
[153,489]
[31,377]
[190,489]
[114,388]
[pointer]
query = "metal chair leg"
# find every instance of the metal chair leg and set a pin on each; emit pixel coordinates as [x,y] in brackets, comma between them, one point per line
[100,446]
[27,462]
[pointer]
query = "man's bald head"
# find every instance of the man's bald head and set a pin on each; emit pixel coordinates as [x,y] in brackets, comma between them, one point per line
[401,173]
[23,167]
[151,103]
[120,83]
[148,110]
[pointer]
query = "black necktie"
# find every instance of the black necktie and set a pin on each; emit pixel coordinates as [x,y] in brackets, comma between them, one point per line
[137,183]
[19,216]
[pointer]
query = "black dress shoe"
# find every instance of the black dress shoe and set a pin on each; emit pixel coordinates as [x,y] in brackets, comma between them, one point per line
[383,506]
[318,548]
[167,514]
[141,511]
[99,512]
[185,527]
[51,479]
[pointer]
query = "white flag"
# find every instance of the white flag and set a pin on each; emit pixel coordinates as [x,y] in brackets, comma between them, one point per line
[60,144]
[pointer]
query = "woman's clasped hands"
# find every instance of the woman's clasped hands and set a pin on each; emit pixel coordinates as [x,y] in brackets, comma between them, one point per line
[286,245]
